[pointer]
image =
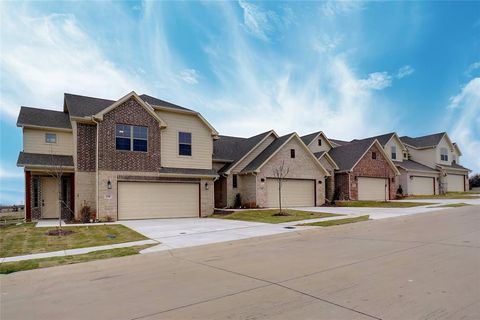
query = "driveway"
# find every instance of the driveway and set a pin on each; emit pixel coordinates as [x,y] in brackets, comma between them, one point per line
[424,266]
[189,232]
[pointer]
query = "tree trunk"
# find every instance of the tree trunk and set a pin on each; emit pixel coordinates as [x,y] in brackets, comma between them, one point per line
[280,194]
[60,203]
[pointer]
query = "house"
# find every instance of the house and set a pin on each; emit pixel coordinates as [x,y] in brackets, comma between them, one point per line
[246,169]
[437,152]
[320,145]
[135,158]
[365,171]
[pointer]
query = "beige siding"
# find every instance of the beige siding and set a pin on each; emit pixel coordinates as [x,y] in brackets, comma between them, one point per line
[34,142]
[202,141]
[426,157]
[388,149]
[242,164]
[444,144]
[314,147]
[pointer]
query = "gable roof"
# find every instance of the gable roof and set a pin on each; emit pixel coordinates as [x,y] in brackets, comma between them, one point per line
[309,138]
[455,145]
[339,142]
[415,166]
[161,103]
[234,149]
[83,106]
[347,156]
[273,148]
[43,118]
[325,154]
[383,138]
[428,141]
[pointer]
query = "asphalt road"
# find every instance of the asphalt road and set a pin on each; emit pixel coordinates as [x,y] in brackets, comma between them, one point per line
[425,266]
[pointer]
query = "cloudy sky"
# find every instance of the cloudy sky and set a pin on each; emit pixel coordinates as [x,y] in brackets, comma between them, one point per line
[351,69]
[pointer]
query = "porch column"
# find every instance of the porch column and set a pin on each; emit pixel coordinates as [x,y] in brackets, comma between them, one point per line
[28,196]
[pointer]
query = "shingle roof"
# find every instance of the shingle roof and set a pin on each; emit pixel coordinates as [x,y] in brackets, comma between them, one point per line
[309,137]
[413,165]
[423,141]
[383,138]
[43,118]
[205,172]
[318,155]
[265,154]
[161,103]
[339,142]
[234,148]
[347,155]
[453,166]
[38,159]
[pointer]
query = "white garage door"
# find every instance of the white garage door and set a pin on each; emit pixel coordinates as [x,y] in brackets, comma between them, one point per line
[147,200]
[372,189]
[295,193]
[455,182]
[422,185]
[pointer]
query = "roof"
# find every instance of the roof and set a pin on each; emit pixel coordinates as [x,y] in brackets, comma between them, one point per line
[202,172]
[319,154]
[453,166]
[413,165]
[43,118]
[309,137]
[346,156]
[161,103]
[383,138]
[265,154]
[235,148]
[423,141]
[339,142]
[38,159]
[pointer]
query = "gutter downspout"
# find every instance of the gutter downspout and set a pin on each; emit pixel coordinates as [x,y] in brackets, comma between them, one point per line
[96,167]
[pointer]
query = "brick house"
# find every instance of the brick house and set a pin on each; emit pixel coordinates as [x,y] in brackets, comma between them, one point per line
[136,158]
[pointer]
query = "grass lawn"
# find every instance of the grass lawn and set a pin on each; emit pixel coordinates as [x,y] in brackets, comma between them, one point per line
[452,205]
[336,222]
[26,239]
[449,195]
[10,267]
[267,215]
[380,204]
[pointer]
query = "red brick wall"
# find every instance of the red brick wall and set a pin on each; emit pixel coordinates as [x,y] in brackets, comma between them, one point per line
[86,153]
[130,112]
[342,184]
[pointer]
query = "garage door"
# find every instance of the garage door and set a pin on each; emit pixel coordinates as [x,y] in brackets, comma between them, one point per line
[147,200]
[372,189]
[295,193]
[455,182]
[422,186]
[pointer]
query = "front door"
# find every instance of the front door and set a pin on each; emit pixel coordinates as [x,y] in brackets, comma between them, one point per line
[50,207]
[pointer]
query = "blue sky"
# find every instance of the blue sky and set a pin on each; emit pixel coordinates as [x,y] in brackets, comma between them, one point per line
[351,69]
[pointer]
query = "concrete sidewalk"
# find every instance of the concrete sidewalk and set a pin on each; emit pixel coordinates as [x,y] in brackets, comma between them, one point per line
[71,252]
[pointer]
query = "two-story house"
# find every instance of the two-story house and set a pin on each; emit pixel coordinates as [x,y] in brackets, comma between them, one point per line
[438,152]
[135,158]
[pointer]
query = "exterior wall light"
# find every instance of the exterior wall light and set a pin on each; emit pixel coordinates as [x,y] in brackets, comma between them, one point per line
[319,181]
[206,185]
[109,185]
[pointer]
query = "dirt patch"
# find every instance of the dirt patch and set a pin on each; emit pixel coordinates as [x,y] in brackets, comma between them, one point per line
[59,232]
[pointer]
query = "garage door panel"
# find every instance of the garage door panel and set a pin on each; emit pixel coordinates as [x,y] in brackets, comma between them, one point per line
[455,182]
[147,200]
[295,193]
[372,189]
[422,185]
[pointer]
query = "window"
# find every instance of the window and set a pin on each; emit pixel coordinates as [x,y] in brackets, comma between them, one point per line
[394,152]
[292,153]
[35,196]
[443,154]
[234,181]
[319,142]
[50,138]
[374,155]
[185,143]
[131,138]
[405,155]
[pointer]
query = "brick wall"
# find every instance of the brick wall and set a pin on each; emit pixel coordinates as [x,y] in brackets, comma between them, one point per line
[130,112]
[86,139]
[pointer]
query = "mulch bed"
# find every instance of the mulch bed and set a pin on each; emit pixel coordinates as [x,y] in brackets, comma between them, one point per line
[59,232]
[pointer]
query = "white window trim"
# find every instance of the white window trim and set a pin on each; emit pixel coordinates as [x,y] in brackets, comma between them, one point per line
[393,149]
[131,138]
[178,145]
[54,134]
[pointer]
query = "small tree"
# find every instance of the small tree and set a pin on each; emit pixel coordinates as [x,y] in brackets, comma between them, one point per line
[280,174]
[474,181]
[56,171]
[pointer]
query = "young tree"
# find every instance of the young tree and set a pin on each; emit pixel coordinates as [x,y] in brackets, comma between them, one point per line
[475,181]
[56,171]
[280,174]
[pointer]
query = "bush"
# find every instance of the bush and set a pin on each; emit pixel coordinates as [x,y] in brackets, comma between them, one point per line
[85,214]
[400,190]
[238,201]
[474,181]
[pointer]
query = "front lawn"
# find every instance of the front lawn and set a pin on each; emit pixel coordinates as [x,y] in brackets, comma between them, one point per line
[449,195]
[330,223]
[10,267]
[380,204]
[26,239]
[268,216]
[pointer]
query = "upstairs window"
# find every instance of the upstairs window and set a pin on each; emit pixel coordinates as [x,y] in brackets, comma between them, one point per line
[131,138]
[443,154]
[374,155]
[234,181]
[394,152]
[292,153]
[185,143]
[50,138]
[319,142]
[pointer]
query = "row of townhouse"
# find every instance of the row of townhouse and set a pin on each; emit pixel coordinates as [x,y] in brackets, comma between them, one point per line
[141,157]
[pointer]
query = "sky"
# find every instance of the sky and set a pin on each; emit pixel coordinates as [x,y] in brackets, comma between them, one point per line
[350,69]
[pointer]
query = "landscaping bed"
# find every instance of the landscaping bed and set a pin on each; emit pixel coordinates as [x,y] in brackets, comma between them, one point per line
[380,204]
[271,215]
[330,223]
[27,239]
[449,195]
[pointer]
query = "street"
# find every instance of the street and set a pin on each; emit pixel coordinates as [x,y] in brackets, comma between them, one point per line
[423,266]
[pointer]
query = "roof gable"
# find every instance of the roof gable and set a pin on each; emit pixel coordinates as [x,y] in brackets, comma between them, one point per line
[309,138]
[43,118]
[423,142]
[324,154]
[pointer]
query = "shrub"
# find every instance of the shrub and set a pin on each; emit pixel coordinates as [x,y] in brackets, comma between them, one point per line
[238,201]
[474,181]
[85,214]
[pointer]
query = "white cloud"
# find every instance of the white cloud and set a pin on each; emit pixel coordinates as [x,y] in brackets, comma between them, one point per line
[43,57]
[10,173]
[326,43]
[404,72]
[335,8]
[376,81]
[474,66]
[190,76]
[257,21]
[465,123]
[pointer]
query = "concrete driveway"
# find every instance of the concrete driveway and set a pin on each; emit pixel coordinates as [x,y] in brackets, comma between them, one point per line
[424,266]
[189,232]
